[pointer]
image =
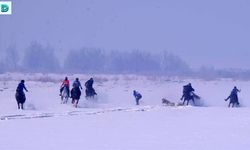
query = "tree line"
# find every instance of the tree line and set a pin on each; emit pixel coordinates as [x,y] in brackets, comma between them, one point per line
[45,59]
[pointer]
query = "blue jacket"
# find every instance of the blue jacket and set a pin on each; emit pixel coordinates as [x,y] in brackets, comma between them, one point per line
[21,87]
[77,84]
[137,95]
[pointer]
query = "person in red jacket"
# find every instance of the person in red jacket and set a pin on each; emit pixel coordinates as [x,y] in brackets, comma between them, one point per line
[65,84]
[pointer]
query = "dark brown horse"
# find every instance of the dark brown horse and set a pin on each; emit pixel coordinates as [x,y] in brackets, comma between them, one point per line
[20,98]
[189,96]
[75,95]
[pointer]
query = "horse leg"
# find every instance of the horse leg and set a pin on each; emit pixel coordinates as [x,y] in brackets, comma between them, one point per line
[18,105]
[76,103]
[229,104]
[61,89]
[21,105]
[137,102]
[61,99]
[183,102]
[66,100]
[187,102]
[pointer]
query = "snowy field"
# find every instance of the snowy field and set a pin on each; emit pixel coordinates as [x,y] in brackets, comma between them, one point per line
[114,122]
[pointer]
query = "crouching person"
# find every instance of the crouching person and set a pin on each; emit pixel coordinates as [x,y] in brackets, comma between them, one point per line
[137,96]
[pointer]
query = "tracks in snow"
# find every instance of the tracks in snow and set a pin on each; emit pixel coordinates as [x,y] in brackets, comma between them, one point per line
[83,112]
[75,113]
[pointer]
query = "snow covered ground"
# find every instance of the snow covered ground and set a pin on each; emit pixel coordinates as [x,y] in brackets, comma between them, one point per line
[113,122]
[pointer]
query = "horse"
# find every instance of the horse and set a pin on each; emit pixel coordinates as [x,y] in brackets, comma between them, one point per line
[20,98]
[64,96]
[90,93]
[233,100]
[75,95]
[189,96]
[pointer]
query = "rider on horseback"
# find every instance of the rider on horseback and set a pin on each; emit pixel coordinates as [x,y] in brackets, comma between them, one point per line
[76,92]
[90,91]
[76,88]
[20,96]
[66,85]
[188,93]
[233,96]
[187,90]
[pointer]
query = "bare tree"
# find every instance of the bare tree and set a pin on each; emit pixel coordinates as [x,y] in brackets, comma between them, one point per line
[40,59]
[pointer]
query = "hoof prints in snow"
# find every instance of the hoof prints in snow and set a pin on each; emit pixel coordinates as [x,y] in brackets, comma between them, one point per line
[75,113]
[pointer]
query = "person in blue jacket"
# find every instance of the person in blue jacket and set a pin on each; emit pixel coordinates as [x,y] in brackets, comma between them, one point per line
[137,96]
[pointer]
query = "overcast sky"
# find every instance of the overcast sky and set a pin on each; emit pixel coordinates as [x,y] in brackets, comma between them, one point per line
[202,32]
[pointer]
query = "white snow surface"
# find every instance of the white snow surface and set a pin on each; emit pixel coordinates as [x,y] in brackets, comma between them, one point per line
[114,122]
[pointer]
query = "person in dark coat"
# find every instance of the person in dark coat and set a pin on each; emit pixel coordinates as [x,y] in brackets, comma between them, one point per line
[77,84]
[187,90]
[89,83]
[20,95]
[90,91]
[76,90]
[137,96]
[233,97]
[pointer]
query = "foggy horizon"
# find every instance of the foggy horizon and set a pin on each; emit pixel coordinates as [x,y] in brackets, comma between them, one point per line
[212,33]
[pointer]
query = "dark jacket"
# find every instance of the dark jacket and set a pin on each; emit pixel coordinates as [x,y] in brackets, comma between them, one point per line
[89,84]
[77,84]
[137,95]
[187,89]
[233,95]
[21,87]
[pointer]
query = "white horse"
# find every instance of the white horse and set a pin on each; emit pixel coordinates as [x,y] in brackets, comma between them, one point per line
[64,96]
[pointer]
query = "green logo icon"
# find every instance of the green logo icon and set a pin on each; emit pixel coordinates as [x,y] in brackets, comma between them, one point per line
[4,8]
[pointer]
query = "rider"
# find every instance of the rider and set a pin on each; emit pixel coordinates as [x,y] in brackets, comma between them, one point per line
[89,87]
[20,92]
[77,84]
[75,91]
[65,84]
[187,90]
[21,87]
[234,95]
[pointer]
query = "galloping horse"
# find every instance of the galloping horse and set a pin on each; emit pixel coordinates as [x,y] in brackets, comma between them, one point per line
[233,100]
[190,96]
[64,96]
[90,93]
[75,95]
[20,98]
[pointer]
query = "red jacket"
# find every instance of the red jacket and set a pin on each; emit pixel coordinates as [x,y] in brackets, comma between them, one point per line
[65,83]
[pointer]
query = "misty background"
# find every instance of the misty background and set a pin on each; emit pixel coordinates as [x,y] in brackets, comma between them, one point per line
[207,39]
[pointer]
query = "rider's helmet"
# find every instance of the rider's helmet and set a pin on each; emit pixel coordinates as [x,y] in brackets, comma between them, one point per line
[77,79]
[22,81]
[66,78]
